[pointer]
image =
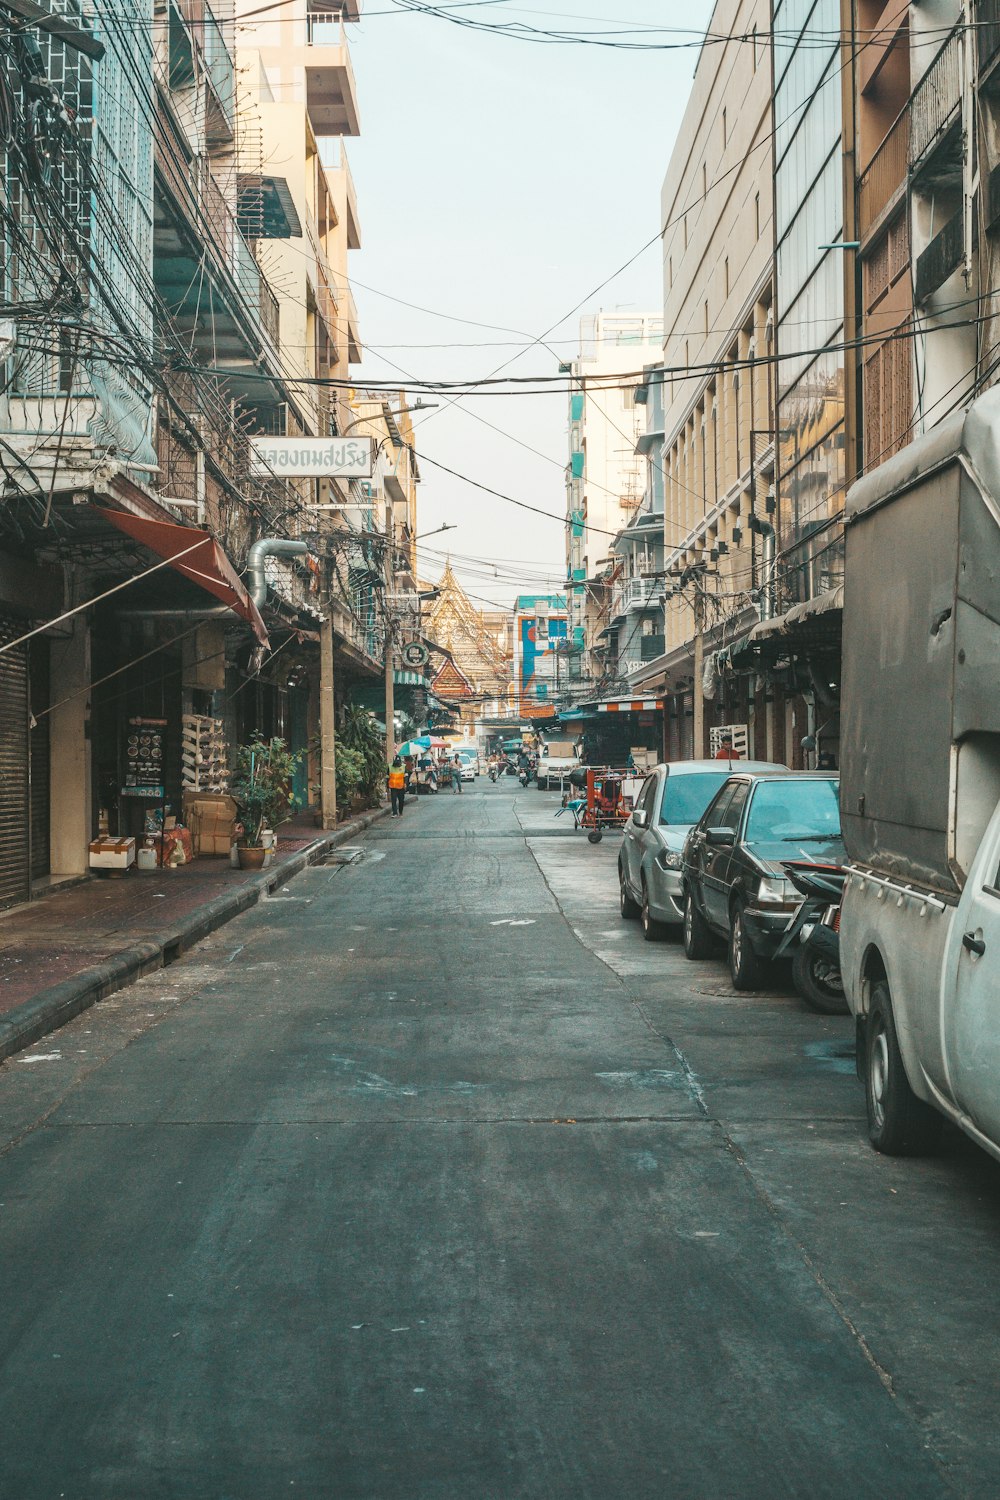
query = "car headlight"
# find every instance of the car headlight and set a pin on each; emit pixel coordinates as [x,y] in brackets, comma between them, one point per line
[669,860]
[775,892]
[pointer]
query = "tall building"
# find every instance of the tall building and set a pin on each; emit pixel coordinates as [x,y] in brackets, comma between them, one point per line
[541,636]
[604,476]
[716,452]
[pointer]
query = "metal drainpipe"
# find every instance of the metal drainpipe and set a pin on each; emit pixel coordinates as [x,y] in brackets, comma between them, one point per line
[269,546]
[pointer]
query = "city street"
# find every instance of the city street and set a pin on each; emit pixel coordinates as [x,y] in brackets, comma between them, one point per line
[428,1177]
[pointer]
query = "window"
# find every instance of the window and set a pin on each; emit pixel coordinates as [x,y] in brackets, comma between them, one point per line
[753,37]
[715,814]
[734,810]
[794,812]
[686,797]
[706,317]
[670,267]
[704,180]
[645,802]
[756,215]
[726,273]
[725,130]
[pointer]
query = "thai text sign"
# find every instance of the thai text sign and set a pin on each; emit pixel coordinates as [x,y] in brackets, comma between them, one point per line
[312,458]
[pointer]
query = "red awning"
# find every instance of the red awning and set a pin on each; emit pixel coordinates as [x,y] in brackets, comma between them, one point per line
[197,555]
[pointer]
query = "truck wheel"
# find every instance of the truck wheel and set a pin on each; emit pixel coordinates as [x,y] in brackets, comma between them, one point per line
[697,938]
[628,907]
[652,930]
[818,982]
[899,1124]
[745,968]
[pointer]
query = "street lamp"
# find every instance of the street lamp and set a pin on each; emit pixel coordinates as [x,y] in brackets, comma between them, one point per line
[400,411]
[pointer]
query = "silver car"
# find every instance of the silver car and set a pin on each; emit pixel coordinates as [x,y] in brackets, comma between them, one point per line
[672,799]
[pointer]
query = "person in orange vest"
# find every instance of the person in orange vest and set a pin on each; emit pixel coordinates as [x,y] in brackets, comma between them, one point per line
[397,787]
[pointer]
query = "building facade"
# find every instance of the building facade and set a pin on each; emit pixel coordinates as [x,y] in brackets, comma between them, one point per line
[604,476]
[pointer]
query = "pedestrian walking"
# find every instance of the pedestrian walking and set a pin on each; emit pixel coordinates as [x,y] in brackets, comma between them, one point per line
[397,787]
[456,775]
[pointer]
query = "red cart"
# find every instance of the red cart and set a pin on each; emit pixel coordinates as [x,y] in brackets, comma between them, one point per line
[607,804]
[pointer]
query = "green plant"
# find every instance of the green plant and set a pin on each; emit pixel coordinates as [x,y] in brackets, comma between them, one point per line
[261,786]
[350,769]
[359,736]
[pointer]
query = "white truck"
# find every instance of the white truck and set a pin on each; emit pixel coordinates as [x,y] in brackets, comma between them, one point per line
[920,783]
[557,760]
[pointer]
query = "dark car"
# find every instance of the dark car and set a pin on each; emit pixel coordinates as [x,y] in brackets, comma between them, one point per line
[733,876]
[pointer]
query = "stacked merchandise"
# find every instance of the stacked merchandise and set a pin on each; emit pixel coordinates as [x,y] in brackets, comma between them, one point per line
[203,755]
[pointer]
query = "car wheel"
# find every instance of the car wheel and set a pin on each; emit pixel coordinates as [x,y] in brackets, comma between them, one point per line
[628,908]
[745,968]
[818,981]
[697,937]
[899,1124]
[652,930]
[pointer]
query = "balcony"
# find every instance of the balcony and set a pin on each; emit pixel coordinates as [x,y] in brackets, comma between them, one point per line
[353,333]
[935,118]
[331,93]
[635,594]
[220,113]
[883,182]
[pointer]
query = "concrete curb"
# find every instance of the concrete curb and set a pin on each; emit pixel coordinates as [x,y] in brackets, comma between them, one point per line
[58,1003]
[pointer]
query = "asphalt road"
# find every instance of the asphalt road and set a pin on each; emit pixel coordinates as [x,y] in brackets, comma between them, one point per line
[430,1178]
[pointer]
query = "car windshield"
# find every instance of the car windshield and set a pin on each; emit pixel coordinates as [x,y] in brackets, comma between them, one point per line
[686,797]
[790,811]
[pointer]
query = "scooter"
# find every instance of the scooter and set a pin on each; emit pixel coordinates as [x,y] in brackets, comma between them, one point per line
[494,773]
[813,936]
[524,776]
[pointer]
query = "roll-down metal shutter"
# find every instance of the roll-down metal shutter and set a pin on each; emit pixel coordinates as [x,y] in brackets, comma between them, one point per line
[14,810]
[38,688]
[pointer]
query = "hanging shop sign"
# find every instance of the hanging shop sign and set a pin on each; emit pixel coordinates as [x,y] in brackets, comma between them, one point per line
[415,654]
[144,759]
[312,458]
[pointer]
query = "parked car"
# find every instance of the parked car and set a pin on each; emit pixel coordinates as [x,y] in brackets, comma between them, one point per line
[672,799]
[735,886]
[470,767]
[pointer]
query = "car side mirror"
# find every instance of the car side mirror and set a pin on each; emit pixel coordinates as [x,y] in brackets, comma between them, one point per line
[721,837]
[640,817]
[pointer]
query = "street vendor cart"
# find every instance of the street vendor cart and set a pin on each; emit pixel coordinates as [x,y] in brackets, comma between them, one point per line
[608,803]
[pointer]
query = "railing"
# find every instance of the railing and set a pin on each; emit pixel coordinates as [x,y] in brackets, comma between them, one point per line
[936,99]
[885,174]
[269,311]
[635,593]
[217,215]
[325,28]
[219,65]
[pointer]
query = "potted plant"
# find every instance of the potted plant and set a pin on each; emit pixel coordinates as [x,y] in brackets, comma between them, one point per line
[261,787]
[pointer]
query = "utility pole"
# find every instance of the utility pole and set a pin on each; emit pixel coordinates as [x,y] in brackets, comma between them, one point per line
[327,741]
[698,688]
[390,707]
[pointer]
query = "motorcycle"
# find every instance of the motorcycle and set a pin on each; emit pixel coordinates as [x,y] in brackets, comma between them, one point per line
[813,936]
[494,773]
[524,776]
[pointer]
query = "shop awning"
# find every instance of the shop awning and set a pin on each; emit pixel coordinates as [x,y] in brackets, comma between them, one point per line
[197,555]
[629,705]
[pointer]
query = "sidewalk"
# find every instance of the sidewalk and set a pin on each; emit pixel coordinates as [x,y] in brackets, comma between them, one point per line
[73,947]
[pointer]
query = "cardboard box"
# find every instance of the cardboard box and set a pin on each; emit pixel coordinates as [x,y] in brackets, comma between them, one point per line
[210,816]
[107,853]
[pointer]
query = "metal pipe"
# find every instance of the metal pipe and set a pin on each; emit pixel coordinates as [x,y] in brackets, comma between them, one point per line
[174,614]
[269,546]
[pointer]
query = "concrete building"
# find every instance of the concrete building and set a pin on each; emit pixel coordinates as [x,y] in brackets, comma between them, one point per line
[541,636]
[635,630]
[604,476]
[717,451]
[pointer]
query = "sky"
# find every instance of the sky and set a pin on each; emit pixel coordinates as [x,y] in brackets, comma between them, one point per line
[501,182]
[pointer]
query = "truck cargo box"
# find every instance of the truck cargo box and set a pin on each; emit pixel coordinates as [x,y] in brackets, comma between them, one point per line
[920,728]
